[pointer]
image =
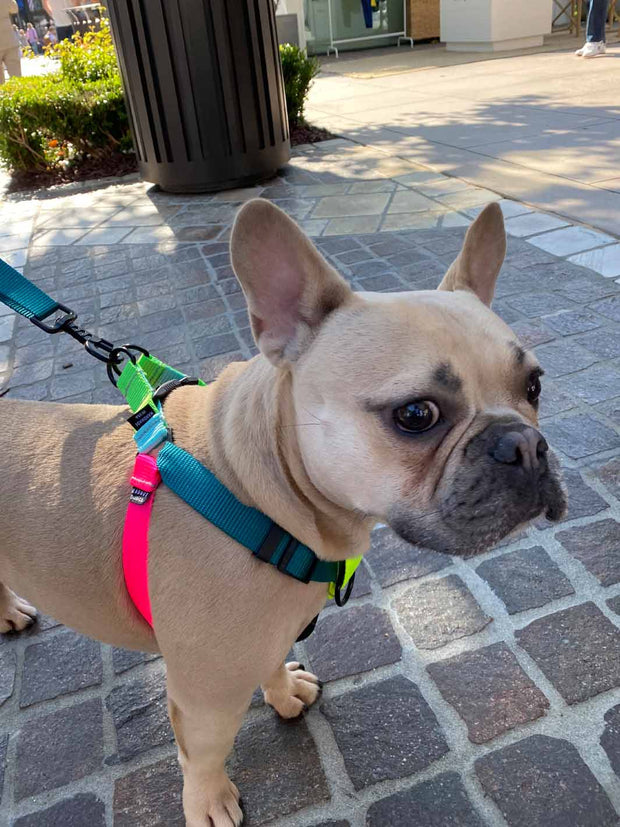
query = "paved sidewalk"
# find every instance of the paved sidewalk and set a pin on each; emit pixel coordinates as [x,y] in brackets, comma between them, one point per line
[469,693]
[541,126]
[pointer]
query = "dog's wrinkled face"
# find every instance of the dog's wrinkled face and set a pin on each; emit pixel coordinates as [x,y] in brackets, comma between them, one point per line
[419,409]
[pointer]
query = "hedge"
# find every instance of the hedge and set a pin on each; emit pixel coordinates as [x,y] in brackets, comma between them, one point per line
[47,121]
[54,120]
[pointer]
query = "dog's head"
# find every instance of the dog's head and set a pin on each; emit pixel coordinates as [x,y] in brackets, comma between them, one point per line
[418,409]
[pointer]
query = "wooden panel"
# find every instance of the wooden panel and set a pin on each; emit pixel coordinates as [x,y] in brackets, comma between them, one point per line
[423,19]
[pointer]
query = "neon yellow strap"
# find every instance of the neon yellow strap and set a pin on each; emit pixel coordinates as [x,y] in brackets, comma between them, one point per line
[350,567]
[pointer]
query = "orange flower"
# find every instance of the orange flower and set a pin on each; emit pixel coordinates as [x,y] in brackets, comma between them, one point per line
[53,143]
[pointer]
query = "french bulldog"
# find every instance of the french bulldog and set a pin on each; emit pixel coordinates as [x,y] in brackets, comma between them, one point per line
[417,409]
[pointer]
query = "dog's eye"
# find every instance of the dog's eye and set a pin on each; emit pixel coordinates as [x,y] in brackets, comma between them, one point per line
[533,387]
[416,417]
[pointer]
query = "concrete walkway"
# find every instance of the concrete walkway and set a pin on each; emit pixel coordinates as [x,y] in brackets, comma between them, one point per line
[468,693]
[542,127]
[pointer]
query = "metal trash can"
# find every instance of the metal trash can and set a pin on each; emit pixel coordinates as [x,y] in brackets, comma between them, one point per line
[204,90]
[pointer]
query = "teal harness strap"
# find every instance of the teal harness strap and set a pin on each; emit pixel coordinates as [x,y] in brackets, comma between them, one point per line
[141,380]
[23,296]
[194,483]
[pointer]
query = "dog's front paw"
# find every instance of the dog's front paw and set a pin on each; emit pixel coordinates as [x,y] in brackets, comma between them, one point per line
[15,614]
[215,803]
[293,690]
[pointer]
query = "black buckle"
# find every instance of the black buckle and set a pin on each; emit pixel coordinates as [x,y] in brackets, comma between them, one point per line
[272,540]
[339,598]
[291,548]
[59,322]
[171,385]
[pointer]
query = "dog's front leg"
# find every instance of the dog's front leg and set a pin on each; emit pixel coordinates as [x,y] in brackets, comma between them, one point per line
[205,726]
[16,614]
[291,690]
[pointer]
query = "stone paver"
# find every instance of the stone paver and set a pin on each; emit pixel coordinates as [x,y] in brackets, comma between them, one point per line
[609,475]
[440,611]
[150,796]
[140,716]
[569,240]
[533,223]
[581,436]
[58,748]
[489,690]
[419,669]
[83,809]
[276,763]
[610,739]
[597,546]
[525,579]
[542,781]
[8,667]
[4,743]
[370,642]
[333,824]
[605,261]
[583,501]
[435,803]
[578,649]
[63,663]
[393,560]
[386,730]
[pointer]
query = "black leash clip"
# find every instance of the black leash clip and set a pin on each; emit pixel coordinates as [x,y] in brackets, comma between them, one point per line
[60,322]
[339,598]
[107,352]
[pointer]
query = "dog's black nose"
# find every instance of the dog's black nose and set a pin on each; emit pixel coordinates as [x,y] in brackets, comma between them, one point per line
[520,445]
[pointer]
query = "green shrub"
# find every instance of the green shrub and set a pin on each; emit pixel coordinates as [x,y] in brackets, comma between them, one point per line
[87,57]
[298,70]
[54,120]
[49,121]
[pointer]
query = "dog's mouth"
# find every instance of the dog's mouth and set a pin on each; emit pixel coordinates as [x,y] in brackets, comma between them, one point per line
[475,515]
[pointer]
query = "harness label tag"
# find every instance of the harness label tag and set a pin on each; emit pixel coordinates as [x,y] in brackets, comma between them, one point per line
[141,417]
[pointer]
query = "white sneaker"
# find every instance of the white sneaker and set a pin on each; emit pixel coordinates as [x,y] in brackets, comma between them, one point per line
[593,49]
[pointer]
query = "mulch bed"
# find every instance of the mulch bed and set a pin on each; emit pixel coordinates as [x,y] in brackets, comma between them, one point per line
[307,134]
[104,166]
[115,164]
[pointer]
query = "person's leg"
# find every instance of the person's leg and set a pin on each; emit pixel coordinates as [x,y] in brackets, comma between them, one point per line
[595,27]
[12,61]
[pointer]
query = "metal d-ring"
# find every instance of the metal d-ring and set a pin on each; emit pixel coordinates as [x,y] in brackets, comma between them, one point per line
[115,360]
[118,355]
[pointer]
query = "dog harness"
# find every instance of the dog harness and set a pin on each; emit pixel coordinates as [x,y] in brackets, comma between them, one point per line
[145,382]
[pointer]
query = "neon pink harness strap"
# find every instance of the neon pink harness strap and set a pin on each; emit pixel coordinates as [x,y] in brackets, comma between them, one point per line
[144,483]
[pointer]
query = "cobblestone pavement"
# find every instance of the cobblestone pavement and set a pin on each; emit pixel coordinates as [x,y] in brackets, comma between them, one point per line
[458,693]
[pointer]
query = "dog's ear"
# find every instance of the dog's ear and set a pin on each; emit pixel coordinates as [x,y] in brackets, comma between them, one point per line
[289,286]
[477,266]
